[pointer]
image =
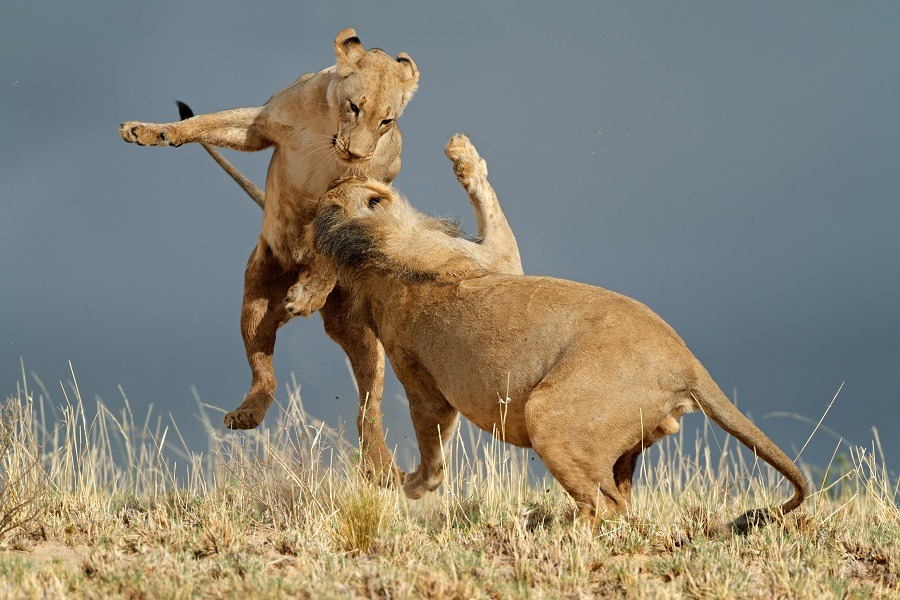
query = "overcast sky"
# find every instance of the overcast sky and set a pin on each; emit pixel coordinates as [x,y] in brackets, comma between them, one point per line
[735,166]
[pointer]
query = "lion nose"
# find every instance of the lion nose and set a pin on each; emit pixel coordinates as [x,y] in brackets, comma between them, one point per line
[348,154]
[359,148]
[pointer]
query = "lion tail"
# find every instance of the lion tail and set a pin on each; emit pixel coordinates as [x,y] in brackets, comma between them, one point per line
[185,112]
[716,405]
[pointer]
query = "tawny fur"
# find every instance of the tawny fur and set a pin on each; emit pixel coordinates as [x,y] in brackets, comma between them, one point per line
[592,377]
[333,123]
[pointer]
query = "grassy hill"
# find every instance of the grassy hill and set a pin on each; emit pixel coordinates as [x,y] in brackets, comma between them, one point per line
[114,506]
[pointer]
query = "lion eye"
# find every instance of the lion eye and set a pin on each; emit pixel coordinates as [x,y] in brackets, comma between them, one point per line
[373,202]
[354,107]
[387,121]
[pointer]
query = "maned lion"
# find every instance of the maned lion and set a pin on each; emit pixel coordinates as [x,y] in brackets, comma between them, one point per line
[590,378]
[337,122]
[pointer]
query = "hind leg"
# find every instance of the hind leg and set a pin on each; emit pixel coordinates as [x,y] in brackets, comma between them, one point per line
[625,466]
[262,313]
[589,436]
[577,453]
[623,471]
[591,484]
[244,129]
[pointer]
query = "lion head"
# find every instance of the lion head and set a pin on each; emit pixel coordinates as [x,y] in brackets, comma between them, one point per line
[369,94]
[363,224]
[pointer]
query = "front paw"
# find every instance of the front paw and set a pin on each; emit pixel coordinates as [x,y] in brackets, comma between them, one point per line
[309,294]
[467,164]
[148,134]
[420,481]
[414,486]
[300,302]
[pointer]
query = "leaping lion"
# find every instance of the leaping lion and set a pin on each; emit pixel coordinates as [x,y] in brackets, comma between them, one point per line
[592,377]
[336,122]
[341,121]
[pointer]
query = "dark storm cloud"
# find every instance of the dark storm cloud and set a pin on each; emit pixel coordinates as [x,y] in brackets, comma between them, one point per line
[735,168]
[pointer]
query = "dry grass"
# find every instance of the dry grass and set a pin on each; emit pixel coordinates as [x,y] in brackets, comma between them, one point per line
[22,485]
[109,506]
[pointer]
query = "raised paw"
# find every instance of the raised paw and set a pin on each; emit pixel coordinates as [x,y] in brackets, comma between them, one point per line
[301,301]
[467,164]
[311,290]
[148,134]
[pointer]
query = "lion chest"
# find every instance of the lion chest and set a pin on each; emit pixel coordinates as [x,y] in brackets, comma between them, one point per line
[293,187]
[299,174]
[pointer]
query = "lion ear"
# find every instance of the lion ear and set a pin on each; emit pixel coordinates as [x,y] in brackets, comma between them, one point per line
[411,75]
[347,50]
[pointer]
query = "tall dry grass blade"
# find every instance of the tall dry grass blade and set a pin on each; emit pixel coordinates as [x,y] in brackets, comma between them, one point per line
[822,418]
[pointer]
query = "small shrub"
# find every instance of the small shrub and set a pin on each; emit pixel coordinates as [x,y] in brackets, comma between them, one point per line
[359,517]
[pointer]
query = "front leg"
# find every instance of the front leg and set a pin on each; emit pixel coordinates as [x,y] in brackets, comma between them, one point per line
[367,360]
[501,252]
[240,129]
[435,421]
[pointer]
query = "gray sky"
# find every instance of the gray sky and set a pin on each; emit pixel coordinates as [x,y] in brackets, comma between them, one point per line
[735,166]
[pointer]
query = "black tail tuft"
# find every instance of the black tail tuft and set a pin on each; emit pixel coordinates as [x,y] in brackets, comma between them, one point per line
[751,520]
[184,111]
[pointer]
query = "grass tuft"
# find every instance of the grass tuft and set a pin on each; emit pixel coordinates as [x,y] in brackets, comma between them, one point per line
[361,513]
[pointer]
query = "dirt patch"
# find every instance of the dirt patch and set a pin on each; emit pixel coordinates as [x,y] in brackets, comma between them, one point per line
[53,552]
